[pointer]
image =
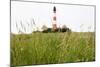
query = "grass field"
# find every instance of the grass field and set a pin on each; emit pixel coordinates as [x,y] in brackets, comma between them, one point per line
[50,48]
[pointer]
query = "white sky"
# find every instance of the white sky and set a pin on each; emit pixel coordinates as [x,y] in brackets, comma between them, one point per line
[77,18]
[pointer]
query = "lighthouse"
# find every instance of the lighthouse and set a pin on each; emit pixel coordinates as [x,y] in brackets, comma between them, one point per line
[54,25]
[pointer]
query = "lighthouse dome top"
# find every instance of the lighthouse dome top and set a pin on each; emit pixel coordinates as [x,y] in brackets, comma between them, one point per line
[54,8]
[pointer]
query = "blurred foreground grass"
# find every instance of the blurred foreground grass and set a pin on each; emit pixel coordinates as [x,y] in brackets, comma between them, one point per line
[50,48]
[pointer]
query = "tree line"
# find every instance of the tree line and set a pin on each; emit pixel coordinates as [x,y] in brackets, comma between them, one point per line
[64,28]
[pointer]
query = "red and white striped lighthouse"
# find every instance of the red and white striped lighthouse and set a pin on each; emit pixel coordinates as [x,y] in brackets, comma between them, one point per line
[54,25]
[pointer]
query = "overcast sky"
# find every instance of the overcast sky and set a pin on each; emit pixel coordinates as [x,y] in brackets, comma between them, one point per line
[78,18]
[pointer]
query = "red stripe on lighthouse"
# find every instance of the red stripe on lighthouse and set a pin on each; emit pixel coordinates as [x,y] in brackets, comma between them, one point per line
[54,18]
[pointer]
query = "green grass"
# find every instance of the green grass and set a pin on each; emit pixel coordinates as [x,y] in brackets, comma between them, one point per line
[50,48]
